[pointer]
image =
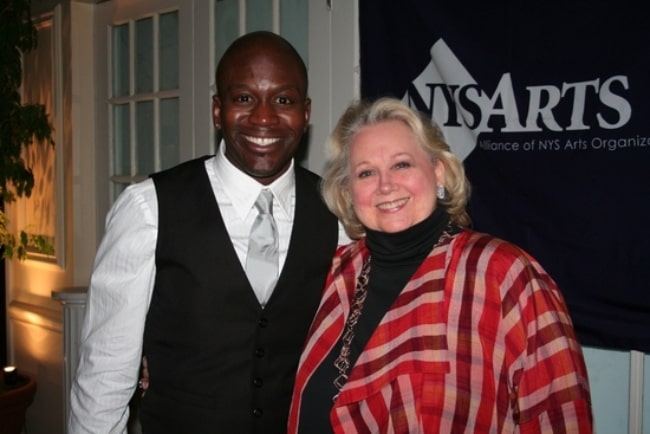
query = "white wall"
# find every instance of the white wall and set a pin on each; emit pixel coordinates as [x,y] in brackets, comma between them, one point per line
[333,70]
[617,390]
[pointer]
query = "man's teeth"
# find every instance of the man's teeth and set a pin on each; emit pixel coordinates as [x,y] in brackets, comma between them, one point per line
[393,204]
[262,141]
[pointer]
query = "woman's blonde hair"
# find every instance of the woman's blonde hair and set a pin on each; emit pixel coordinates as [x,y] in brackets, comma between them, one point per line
[336,179]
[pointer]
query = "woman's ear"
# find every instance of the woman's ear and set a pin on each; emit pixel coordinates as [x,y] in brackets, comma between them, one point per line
[439,169]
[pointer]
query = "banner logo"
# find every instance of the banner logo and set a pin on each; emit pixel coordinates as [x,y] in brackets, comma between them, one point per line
[447,92]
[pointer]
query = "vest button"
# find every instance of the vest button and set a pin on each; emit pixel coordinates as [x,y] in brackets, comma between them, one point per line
[257,412]
[259,352]
[258,382]
[263,322]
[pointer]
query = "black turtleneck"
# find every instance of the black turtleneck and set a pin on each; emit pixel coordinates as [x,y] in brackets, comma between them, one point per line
[394,259]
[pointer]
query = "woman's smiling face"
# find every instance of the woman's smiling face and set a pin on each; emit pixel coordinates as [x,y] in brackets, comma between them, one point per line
[392,181]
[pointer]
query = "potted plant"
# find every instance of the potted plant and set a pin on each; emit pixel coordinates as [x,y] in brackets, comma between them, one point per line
[20,124]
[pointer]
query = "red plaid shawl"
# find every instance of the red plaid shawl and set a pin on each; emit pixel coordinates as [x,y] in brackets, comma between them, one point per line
[478,341]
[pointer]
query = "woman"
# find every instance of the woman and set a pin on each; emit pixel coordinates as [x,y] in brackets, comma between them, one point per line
[426,326]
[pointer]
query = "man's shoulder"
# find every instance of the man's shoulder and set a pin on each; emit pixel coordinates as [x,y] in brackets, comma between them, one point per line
[306,175]
[186,167]
[309,199]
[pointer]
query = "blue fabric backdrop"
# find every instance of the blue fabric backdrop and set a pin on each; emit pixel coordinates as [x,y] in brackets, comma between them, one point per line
[548,103]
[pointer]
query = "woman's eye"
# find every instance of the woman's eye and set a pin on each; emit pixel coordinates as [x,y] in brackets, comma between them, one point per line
[402,165]
[364,173]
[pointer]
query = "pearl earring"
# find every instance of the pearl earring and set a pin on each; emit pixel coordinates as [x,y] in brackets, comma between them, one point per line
[440,192]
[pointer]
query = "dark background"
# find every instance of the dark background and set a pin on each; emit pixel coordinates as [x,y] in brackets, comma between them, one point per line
[582,214]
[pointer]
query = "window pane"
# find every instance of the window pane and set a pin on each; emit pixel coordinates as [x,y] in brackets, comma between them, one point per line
[169,136]
[227,24]
[144,138]
[121,145]
[118,188]
[120,41]
[259,15]
[144,55]
[294,18]
[169,51]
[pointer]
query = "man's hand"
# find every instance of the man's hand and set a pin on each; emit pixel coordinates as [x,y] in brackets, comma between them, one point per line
[143,384]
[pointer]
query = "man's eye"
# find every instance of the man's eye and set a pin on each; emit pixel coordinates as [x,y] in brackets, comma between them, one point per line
[283,100]
[242,98]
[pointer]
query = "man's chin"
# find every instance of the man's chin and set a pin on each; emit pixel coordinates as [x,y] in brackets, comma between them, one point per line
[267,176]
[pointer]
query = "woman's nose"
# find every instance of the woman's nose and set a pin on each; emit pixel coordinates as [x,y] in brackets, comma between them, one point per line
[386,184]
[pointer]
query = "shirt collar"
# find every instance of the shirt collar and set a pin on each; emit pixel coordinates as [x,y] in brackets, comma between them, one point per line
[242,189]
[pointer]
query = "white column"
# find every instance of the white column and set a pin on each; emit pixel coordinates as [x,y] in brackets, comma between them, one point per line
[74,307]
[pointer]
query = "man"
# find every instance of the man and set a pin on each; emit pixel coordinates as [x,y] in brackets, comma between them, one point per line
[169,280]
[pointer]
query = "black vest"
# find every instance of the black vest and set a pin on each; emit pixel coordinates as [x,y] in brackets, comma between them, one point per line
[218,362]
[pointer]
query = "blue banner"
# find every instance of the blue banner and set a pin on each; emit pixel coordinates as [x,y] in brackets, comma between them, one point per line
[548,104]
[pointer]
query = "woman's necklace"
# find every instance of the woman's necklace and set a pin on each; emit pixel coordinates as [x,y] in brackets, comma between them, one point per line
[342,362]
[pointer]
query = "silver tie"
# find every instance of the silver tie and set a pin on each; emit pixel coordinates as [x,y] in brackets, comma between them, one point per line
[262,258]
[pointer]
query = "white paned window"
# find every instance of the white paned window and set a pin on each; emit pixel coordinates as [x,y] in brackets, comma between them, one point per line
[144,97]
[288,18]
[294,24]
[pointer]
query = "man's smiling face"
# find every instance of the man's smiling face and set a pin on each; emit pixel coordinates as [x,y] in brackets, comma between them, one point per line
[261,109]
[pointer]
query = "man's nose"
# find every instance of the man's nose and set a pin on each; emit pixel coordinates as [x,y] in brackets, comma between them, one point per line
[263,113]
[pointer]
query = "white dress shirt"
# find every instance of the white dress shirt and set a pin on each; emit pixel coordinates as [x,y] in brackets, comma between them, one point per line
[236,193]
[122,282]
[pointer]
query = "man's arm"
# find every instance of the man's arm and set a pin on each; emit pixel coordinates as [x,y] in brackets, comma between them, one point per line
[118,300]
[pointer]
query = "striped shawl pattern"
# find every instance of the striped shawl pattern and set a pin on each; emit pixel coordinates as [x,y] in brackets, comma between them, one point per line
[478,341]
